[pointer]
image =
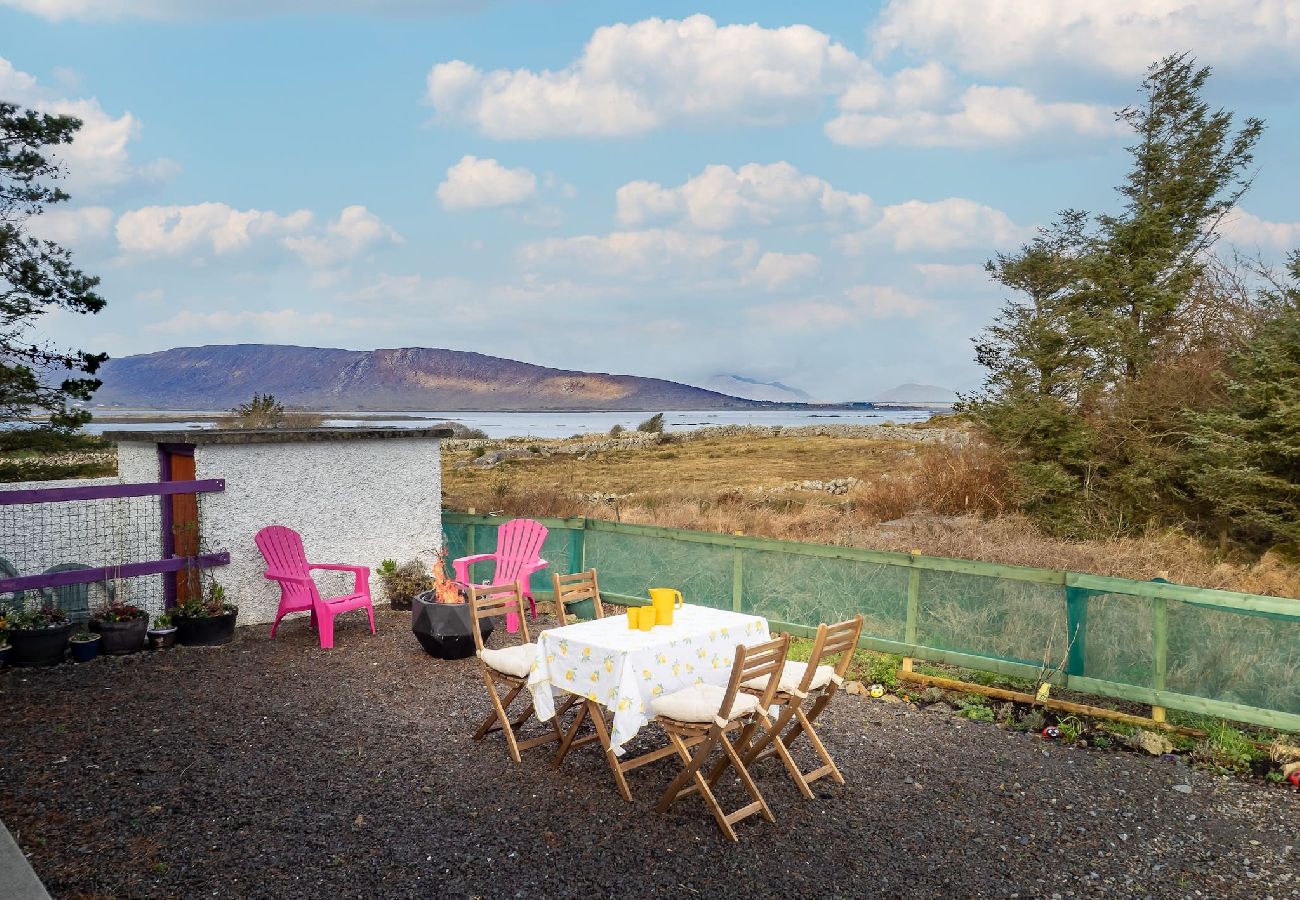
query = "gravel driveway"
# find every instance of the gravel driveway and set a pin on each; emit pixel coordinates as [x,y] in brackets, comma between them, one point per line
[275,769]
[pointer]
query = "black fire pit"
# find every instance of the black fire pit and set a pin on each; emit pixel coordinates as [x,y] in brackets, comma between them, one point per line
[443,629]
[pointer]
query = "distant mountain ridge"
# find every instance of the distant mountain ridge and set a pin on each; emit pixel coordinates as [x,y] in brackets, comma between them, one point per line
[221,376]
[917,393]
[753,389]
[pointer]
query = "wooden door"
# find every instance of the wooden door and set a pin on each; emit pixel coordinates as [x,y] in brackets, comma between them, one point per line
[178,465]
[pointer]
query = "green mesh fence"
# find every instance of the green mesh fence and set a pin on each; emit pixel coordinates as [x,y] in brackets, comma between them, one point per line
[1216,652]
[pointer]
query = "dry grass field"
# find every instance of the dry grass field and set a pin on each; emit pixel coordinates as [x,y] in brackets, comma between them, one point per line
[942,500]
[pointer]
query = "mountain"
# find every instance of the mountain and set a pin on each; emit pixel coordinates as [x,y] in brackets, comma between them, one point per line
[753,389]
[917,393]
[410,378]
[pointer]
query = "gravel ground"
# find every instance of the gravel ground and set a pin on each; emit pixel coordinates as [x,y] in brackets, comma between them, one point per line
[275,769]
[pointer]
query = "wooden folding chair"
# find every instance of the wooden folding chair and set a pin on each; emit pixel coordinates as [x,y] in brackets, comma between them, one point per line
[508,666]
[799,682]
[573,589]
[703,716]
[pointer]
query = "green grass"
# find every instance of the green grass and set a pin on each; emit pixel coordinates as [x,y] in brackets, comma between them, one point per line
[867,666]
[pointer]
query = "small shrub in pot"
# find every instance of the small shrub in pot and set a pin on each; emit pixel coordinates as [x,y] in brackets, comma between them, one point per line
[121,627]
[4,640]
[85,645]
[403,582]
[162,634]
[39,637]
[205,621]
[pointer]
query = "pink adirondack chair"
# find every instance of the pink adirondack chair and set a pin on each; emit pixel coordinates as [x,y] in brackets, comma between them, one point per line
[517,557]
[286,563]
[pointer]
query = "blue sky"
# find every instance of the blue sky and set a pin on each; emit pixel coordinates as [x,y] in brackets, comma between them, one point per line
[671,190]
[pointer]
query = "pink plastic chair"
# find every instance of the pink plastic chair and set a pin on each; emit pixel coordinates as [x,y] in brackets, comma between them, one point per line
[517,557]
[286,563]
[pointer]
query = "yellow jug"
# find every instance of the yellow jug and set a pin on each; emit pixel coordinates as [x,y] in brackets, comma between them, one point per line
[664,601]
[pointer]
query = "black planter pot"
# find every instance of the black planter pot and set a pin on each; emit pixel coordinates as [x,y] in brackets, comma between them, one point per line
[117,638]
[85,651]
[162,638]
[443,629]
[4,656]
[39,647]
[205,631]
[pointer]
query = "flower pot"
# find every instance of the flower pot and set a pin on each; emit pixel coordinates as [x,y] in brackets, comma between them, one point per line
[162,638]
[585,610]
[39,646]
[443,629]
[117,638]
[205,631]
[4,656]
[85,651]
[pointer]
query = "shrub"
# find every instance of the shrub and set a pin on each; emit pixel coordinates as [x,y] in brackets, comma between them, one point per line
[1226,749]
[653,425]
[616,431]
[403,582]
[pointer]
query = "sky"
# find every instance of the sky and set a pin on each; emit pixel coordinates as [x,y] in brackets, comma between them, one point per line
[795,192]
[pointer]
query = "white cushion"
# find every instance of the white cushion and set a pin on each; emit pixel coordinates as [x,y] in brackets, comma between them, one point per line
[516,660]
[701,703]
[792,677]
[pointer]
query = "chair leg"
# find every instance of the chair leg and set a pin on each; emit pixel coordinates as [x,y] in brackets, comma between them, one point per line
[492,718]
[828,764]
[276,623]
[501,714]
[512,622]
[370,611]
[326,624]
[771,738]
[691,772]
[532,606]
[598,722]
[748,782]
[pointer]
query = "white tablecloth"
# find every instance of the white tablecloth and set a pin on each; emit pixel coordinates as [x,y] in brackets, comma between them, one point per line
[623,670]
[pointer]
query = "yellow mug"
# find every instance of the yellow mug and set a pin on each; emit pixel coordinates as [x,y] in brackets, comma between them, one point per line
[633,617]
[664,601]
[646,618]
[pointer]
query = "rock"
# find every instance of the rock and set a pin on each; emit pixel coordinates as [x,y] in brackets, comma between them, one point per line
[1183,788]
[1155,744]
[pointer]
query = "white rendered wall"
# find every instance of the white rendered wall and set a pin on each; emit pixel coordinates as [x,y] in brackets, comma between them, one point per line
[353,501]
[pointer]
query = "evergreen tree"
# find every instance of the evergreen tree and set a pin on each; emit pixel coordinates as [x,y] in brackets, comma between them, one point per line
[1249,448]
[37,276]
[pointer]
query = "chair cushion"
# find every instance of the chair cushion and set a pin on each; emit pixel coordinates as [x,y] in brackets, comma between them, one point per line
[701,703]
[516,660]
[792,677]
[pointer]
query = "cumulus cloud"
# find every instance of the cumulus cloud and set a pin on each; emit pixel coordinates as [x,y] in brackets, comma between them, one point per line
[202,227]
[1248,230]
[879,301]
[777,271]
[632,78]
[952,224]
[855,306]
[355,231]
[720,198]
[656,254]
[475,183]
[1118,36]
[72,225]
[99,156]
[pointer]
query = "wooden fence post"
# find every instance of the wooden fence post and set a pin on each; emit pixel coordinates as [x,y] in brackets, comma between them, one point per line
[737,576]
[1160,643]
[913,607]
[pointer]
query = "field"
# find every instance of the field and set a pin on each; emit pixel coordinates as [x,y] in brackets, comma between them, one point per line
[944,498]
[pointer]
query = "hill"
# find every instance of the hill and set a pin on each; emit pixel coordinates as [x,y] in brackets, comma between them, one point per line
[753,389]
[221,376]
[917,393]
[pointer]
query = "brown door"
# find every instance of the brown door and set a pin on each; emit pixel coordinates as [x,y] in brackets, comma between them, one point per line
[178,465]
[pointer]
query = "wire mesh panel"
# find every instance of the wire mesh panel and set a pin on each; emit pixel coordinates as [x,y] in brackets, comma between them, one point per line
[82,534]
[1118,642]
[1247,658]
[631,563]
[807,590]
[1000,618]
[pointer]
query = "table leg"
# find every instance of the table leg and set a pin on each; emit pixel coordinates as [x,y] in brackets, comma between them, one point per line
[615,766]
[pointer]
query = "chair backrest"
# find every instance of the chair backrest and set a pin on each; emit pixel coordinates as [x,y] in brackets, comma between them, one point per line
[283,551]
[841,638]
[519,545]
[73,599]
[763,660]
[492,600]
[17,599]
[571,589]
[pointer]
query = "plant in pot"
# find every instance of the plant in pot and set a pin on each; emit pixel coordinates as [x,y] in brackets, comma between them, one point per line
[207,620]
[162,634]
[39,637]
[402,583]
[85,645]
[121,627]
[441,620]
[4,640]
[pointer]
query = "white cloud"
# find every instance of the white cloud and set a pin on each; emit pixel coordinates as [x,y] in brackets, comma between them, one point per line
[960,276]
[952,224]
[720,198]
[475,183]
[202,227]
[632,78]
[72,225]
[1119,36]
[879,301]
[355,231]
[657,254]
[1248,230]
[99,156]
[980,116]
[776,271]
[170,10]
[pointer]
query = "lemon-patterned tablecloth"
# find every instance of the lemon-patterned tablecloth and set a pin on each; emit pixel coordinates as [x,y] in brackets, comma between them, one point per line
[623,670]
